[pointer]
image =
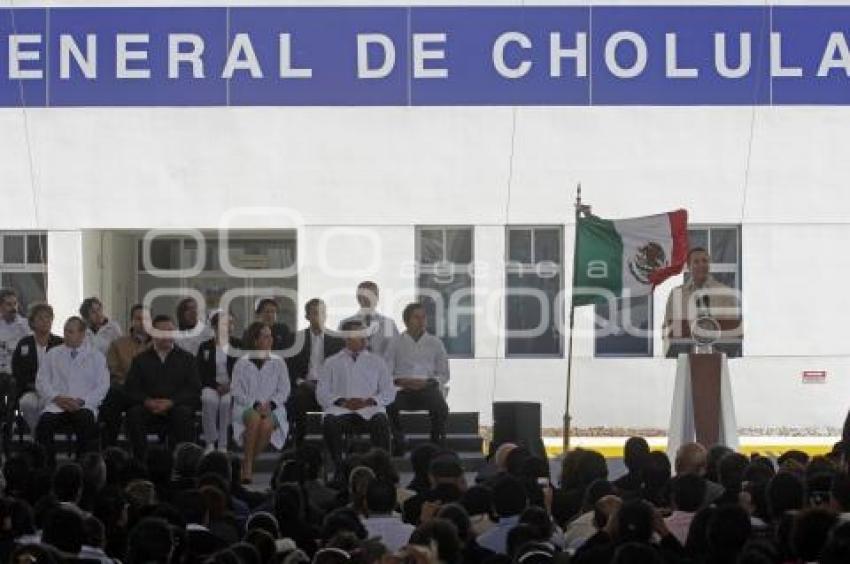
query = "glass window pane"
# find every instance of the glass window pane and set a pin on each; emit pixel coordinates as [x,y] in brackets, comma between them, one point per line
[459,246]
[448,303]
[163,254]
[626,332]
[13,249]
[430,246]
[724,246]
[728,278]
[533,325]
[31,287]
[698,238]
[519,245]
[547,245]
[37,249]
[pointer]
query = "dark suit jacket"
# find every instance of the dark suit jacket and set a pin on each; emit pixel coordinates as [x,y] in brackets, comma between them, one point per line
[206,361]
[175,379]
[299,364]
[25,364]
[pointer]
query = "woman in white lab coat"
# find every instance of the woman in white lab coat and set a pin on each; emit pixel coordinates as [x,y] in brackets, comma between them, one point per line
[260,388]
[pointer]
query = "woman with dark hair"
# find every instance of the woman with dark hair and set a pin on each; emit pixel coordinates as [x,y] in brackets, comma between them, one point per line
[216,359]
[260,388]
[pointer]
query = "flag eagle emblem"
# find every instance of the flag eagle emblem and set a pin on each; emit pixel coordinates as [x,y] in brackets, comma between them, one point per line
[647,259]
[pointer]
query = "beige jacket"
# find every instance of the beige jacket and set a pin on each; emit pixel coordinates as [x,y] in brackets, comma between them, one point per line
[687,302]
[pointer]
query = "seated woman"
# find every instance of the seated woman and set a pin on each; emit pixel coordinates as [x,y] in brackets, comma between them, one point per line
[260,388]
[216,359]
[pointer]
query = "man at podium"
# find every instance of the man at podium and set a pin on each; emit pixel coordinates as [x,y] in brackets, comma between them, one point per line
[701,296]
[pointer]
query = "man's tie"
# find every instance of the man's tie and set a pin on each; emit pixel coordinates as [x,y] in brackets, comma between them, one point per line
[74,353]
[368,322]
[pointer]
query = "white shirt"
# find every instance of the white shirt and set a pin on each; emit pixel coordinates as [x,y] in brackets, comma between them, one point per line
[423,358]
[342,377]
[85,377]
[221,375]
[104,336]
[10,334]
[381,329]
[390,530]
[317,354]
[190,339]
[251,384]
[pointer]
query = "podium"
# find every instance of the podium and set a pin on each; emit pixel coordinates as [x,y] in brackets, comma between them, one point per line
[703,409]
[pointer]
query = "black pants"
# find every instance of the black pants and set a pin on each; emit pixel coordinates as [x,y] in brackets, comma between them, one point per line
[303,402]
[429,398]
[335,427]
[8,402]
[177,422]
[114,405]
[80,422]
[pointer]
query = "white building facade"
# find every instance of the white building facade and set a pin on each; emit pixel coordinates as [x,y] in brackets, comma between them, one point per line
[312,199]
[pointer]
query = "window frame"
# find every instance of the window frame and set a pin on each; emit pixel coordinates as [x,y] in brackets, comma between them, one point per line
[24,267]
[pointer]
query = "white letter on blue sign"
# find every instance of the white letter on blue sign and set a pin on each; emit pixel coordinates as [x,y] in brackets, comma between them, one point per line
[386,44]
[193,57]
[556,53]
[286,68]
[16,55]
[744,58]
[421,54]
[776,68]
[499,54]
[837,45]
[123,54]
[611,54]
[236,61]
[673,69]
[86,63]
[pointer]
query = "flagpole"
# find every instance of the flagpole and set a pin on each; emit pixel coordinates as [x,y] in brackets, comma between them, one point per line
[567,417]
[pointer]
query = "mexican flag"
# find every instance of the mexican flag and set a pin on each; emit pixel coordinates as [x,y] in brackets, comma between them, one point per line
[628,257]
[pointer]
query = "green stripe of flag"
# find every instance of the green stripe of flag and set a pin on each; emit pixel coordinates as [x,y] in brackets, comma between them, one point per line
[599,259]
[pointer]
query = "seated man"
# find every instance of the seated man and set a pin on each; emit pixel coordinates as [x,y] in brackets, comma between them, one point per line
[315,347]
[72,382]
[354,389]
[162,386]
[420,368]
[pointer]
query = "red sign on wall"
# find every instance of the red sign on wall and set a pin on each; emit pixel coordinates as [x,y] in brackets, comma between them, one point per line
[814,376]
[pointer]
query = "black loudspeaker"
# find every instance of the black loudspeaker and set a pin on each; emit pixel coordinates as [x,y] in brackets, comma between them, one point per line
[518,422]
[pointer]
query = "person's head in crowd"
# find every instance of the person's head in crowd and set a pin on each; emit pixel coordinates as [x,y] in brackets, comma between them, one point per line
[342,520]
[594,492]
[760,470]
[223,324]
[515,460]
[40,318]
[163,333]
[91,310]
[214,481]
[94,532]
[785,492]
[699,263]
[415,319]
[500,456]
[289,505]
[697,543]
[538,518]
[687,492]
[656,473]
[712,460]
[821,465]
[509,497]
[340,548]
[186,458]
[17,472]
[636,553]
[8,304]
[691,458]
[94,471]
[116,461]
[141,493]
[381,463]
[68,482]
[730,471]
[138,320]
[367,295]
[160,464]
[837,548]
[74,332]
[186,314]
[289,471]
[358,483]
[440,533]
[315,313]
[518,537]
[634,521]
[224,556]
[35,554]
[16,518]
[818,487]
[258,339]
[456,513]
[591,467]
[380,498]
[797,456]
[263,542]
[267,311]
[810,531]
[355,338]
[839,493]
[63,530]
[446,469]
[246,552]
[729,529]
[635,453]
[265,521]
[759,552]
[111,508]
[478,503]
[193,507]
[215,462]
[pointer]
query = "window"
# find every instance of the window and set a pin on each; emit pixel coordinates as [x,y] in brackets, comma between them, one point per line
[535,282]
[615,336]
[246,252]
[444,274]
[23,265]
